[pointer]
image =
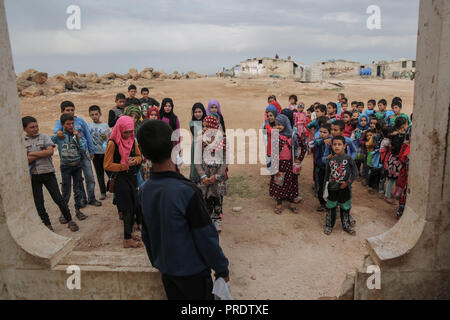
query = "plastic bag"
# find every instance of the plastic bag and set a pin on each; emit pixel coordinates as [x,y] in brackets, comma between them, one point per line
[221,290]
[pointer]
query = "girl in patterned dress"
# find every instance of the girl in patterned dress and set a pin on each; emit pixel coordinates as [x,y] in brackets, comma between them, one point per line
[284,184]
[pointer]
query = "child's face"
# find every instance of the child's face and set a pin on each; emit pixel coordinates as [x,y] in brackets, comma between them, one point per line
[132,93]
[308,113]
[360,109]
[324,133]
[338,147]
[135,117]
[145,94]
[381,107]
[95,116]
[270,100]
[120,103]
[335,130]
[300,108]
[68,126]
[345,106]
[397,110]
[270,117]
[214,108]
[370,106]
[292,102]
[32,129]
[319,113]
[127,134]
[69,110]
[363,122]
[369,135]
[154,116]
[354,106]
[330,110]
[346,118]
[167,108]
[355,116]
[198,114]
[373,123]
[279,126]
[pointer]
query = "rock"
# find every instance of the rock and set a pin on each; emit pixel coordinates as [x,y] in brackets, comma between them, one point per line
[105,81]
[58,87]
[23,84]
[118,82]
[237,209]
[109,76]
[253,277]
[133,73]
[71,74]
[79,83]
[93,77]
[124,76]
[31,91]
[59,77]
[28,74]
[146,75]
[40,77]
[48,92]
[348,287]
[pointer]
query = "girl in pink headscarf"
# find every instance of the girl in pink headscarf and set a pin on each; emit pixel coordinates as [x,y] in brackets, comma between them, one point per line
[122,160]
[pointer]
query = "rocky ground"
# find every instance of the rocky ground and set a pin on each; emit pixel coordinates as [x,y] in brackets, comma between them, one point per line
[271,256]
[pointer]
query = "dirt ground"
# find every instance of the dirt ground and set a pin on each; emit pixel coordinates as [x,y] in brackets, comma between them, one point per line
[271,256]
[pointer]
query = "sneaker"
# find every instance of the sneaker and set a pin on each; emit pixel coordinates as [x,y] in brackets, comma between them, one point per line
[102,196]
[80,215]
[73,226]
[50,227]
[95,203]
[62,220]
[218,226]
[83,204]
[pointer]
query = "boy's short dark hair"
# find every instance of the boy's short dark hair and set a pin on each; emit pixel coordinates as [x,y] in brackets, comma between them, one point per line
[326,126]
[144,90]
[120,96]
[383,102]
[397,99]
[66,117]
[322,108]
[400,121]
[155,139]
[310,109]
[134,101]
[334,105]
[340,124]
[348,113]
[371,131]
[360,104]
[354,102]
[66,104]
[322,120]
[373,118]
[272,97]
[27,120]
[386,131]
[132,87]
[344,100]
[95,108]
[372,101]
[340,138]
[397,103]
[293,96]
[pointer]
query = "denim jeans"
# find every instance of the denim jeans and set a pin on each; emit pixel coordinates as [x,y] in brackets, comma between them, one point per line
[86,167]
[69,174]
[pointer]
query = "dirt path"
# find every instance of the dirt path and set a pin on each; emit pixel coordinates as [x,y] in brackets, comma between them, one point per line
[271,256]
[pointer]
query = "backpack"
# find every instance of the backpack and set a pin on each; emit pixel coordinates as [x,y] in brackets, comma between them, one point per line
[285,153]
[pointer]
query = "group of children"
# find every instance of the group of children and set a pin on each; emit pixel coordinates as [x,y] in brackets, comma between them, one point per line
[347,143]
[113,149]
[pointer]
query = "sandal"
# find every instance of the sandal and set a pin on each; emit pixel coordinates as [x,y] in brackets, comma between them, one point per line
[136,237]
[278,211]
[73,226]
[294,210]
[130,243]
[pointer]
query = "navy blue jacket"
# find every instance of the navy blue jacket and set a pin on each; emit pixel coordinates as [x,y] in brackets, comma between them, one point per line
[177,230]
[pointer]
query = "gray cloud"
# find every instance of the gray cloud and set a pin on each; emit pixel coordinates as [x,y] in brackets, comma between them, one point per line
[204,35]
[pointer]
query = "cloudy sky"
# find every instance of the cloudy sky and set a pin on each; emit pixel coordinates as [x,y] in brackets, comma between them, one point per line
[204,35]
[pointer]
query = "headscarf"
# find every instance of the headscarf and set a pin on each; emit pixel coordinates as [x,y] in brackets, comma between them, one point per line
[290,114]
[285,122]
[210,104]
[150,110]
[200,106]
[171,115]
[123,124]
[137,111]
[276,105]
[219,112]
[272,110]
[367,124]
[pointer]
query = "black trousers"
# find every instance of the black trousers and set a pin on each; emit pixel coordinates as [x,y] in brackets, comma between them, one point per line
[49,181]
[125,190]
[188,288]
[321,184]
[100,172]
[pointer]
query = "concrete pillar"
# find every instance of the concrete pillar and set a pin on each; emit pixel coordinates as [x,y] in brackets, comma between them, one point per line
[33,259]
[414,256]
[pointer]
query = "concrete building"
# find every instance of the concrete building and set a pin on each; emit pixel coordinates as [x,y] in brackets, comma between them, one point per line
[266,67]
[340,69]
[398,69]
